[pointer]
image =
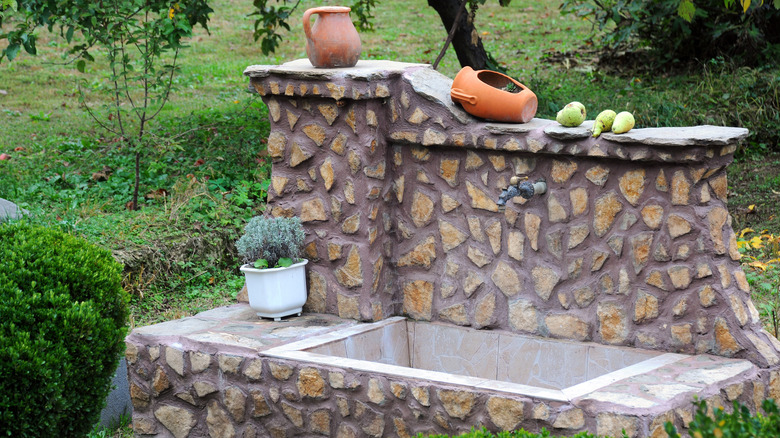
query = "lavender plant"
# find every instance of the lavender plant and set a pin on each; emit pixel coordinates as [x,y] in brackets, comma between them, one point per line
[271,242]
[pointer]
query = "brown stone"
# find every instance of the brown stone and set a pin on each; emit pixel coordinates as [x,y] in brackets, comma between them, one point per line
[681,334]
[339,144]
[725,277]
[579,201]
[681,188]
[653,215]
[584,296]
[313,210]
[483,313]
[656,278]
[613,324]
[354,161]
[334,251]
[515,243]
[178,421]
[421,255]
[523,316]
[725,342]
[418,299]
[541,411]
[606,208]
[575,268]
[451,237]
[422,395]
[640,250]
[678,226]
[505,413]
[739,309]
[717,218]
[473,161]
[556,212]
[680,307]
[448,203]
[376,171]
[680,276]
[351,273]
[448,171]
[610,424]
[433,137]
[455,314]
[278,183]
[480,199]
[421,209]
[506,279]
[555,243]
[418,116]
[203,389]
[645,308]
[475,227]
[319,421]
[567,326]
[632,185]
[420,153]
[703,270]
[570,419]
[310,383]
[160,382]
[616,244]
[472,283]
[561,171]
[277,143]
[235,402]
[720,186]
[293,414]
[707,296]
[139,397]
[326,170]
[598,260]
[478,257]
[532,223]
[351,225]
[597,175]
[348,307]
[493,231]
[577,235]
[316,133]
[458,404]
[545,280]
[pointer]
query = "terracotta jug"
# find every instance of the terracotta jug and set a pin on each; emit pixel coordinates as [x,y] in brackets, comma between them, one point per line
[484,94]
[333,40]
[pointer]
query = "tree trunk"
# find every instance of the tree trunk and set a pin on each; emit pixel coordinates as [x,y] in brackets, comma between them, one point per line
[466,41]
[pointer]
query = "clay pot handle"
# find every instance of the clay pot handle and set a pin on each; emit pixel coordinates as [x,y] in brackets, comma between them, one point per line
[307,21]
[457,93]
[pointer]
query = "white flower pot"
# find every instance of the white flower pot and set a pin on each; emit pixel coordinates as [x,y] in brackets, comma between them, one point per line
[276,292]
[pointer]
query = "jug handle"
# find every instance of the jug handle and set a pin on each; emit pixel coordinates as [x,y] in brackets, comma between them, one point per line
[460,95]
[307,21]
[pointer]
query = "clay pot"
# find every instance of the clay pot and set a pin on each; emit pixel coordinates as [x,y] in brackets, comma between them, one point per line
[484,94]
[333,40]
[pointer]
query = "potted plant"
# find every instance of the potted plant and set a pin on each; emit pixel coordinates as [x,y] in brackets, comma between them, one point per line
[274,270]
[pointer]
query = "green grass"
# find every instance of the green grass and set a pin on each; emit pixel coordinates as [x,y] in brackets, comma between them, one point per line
[207,157]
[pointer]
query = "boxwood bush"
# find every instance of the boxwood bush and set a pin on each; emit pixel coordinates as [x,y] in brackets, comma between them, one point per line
[63,318]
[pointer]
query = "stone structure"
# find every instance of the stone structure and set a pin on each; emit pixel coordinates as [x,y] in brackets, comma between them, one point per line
[631,246]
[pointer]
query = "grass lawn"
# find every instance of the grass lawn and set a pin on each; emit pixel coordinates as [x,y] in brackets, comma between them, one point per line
[206,174]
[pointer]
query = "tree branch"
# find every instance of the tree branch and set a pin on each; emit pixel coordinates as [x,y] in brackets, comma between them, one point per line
[450,35]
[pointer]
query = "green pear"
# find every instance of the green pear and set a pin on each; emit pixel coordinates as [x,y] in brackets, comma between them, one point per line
[603,122]
[624,121]
[581,107]
[571,115]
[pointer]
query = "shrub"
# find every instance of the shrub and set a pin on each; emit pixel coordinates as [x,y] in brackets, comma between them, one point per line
[737,424]
[62,326]
[710,28]
[271,240]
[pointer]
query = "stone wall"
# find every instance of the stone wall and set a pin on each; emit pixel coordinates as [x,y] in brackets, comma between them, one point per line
[631,245]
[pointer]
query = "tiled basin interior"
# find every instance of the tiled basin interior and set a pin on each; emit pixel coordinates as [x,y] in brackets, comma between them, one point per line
[549,368]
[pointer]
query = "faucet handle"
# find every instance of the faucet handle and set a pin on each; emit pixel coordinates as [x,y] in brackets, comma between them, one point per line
[515,180]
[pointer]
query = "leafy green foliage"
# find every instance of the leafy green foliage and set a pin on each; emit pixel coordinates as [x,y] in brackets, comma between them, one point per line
[680,31]
[62,326]
[484,433]
[278,241]
[740,423]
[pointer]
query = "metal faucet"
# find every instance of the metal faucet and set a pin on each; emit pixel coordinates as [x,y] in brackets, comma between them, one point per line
[520,186]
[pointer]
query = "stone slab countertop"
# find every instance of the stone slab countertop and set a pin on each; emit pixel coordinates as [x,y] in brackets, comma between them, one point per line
[237,328]
[434,87]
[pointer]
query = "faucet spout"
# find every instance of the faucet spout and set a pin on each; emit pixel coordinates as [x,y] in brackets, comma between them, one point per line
[520,187]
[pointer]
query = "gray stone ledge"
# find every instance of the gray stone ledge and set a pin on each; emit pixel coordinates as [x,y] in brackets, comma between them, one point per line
[517,128]
[365,70]
[560,132]
[705,135]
